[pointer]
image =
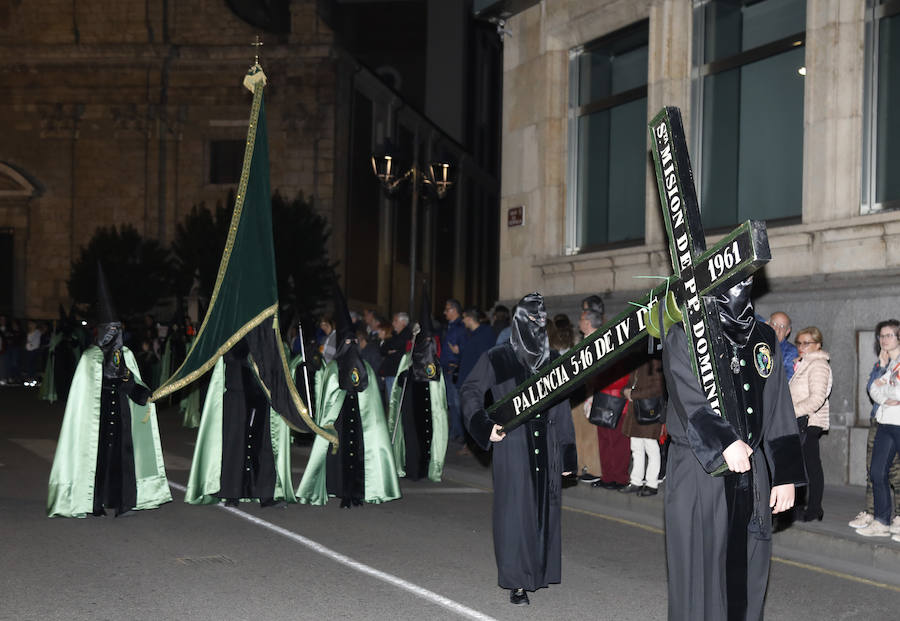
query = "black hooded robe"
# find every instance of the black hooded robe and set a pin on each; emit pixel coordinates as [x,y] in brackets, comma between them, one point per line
[527,468]
[696,511]
[248,462]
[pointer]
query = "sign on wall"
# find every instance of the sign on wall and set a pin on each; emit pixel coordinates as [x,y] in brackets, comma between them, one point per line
[515,216]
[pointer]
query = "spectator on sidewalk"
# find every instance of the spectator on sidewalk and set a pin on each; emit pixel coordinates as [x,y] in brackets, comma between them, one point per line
[781,323]
[885,391]
[865,517]
[614,448]
[479,339]
[645,390]
[810,388]
[585,433]
[453,335]
[392,350]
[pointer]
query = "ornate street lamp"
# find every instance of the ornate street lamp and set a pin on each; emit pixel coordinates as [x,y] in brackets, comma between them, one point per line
[437,177]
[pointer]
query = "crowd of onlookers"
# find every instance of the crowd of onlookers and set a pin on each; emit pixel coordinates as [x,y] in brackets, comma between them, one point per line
[23,350]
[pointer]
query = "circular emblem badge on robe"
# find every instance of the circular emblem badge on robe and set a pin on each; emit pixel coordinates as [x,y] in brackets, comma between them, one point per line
[762,356]
[354,376]
[430,370]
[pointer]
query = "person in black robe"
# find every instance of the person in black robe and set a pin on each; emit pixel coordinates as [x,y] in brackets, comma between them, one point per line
[418,411]
[719,528]
[528,462]
[345,470]
[248,462]
[115,483]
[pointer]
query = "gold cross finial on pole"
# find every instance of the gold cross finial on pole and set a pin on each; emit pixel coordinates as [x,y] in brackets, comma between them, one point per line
[257,44]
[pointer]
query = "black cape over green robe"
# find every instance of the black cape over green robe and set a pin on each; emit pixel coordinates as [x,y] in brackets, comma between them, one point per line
[696,510]
[527,466]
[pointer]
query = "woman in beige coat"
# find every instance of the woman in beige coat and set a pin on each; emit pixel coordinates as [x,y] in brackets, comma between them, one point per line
[810,388]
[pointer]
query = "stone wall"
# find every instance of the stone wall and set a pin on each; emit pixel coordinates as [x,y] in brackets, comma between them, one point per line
[110,106]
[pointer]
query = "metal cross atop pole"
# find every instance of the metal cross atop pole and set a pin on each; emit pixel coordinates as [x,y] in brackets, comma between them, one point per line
[256,44]
[698,272]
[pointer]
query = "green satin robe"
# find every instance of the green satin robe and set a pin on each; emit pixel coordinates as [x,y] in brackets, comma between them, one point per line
[71,489]
[380,477]
[189,405]
[204,480]
[439,423]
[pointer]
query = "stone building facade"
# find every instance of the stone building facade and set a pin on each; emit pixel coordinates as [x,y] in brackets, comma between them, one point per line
[835,257]
[118,113]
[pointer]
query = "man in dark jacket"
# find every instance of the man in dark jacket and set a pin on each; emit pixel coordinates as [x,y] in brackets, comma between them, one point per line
[479,338]
[392,350]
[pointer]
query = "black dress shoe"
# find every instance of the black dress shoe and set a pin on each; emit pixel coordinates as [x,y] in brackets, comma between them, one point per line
[232,502]
[631,488]
[518,597]
[648,491]
[812,517]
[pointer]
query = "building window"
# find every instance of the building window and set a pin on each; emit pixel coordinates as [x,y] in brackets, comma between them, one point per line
[226,158]
[881,119]
[607,140]
[748,109]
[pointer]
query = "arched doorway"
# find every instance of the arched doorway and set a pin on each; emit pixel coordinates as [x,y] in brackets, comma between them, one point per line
[17,191]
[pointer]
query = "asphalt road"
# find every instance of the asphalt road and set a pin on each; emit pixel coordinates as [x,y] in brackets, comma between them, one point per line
[426,556]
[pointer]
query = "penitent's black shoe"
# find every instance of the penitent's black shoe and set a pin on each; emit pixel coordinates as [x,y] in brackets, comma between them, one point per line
[518,597]
[647,491]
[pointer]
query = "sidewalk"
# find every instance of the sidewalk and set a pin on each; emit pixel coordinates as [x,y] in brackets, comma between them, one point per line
[829,544]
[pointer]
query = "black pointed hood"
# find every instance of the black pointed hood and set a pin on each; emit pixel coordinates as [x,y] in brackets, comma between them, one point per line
[352,374]
[424,355]
[106,310]
[342,321]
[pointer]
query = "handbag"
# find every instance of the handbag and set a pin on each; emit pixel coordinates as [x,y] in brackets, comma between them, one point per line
[606,410]
[648,411]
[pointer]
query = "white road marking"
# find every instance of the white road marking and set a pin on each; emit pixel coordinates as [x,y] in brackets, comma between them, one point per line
[442,490]
[415,589]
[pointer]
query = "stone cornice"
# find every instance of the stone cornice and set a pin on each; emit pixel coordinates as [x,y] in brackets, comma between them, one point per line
[12,56]
[840,254]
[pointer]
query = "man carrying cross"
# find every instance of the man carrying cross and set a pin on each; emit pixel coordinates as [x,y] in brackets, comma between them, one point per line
[719,529]
[735,451]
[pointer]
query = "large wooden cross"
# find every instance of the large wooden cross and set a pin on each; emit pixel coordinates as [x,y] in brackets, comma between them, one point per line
[698,274]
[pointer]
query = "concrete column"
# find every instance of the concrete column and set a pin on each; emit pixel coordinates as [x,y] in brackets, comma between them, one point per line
[668,84]
[832,109]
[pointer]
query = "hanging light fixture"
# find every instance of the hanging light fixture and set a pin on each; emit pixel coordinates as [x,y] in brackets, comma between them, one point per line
[439,178]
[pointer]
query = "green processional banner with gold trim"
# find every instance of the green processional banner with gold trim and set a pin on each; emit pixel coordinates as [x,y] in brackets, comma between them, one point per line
[244,301]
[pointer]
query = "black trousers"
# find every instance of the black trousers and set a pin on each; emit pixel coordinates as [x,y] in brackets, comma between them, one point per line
[811,458]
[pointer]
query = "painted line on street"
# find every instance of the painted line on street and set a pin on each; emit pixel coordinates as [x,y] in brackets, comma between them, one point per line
[415,589]
[836,574]
[442,490]
[610,518]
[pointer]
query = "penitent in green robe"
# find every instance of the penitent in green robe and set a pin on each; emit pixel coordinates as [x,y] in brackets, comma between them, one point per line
[380,480]
[205,479]
[439,433]
[71,489]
